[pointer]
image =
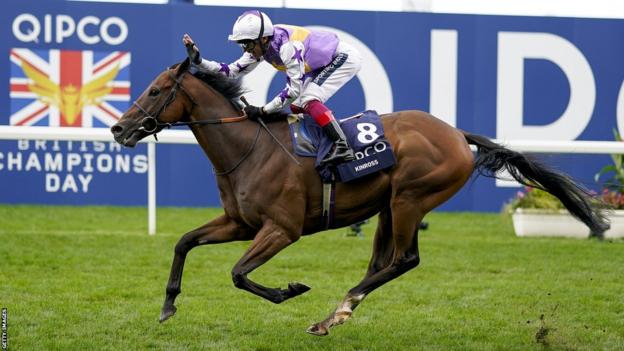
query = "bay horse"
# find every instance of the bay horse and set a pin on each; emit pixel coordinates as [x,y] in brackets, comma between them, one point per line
[273,201]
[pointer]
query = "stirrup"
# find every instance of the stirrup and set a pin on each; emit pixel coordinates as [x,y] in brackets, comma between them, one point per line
[340,153]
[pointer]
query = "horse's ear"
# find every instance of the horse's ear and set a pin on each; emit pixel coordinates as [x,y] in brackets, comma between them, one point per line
[184,66]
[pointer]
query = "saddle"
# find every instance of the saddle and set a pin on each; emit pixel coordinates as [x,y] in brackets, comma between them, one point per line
[365,135]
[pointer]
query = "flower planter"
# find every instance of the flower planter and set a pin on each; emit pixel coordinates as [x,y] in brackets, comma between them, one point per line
[617,225]
[537,222]
[550,223]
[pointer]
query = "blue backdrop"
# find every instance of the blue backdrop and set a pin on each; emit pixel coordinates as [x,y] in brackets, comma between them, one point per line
[141,40]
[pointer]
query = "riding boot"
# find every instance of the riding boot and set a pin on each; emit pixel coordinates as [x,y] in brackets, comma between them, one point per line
[341,151]
[325,119]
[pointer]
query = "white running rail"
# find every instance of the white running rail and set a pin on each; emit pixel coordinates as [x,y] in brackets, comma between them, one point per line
[104,134]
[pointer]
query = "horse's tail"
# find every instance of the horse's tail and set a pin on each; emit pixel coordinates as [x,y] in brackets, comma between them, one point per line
[492,157]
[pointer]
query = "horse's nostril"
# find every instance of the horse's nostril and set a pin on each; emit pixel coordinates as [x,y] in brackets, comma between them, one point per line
[116,129]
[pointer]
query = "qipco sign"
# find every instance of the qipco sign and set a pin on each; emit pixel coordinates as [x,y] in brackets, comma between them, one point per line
[56,28]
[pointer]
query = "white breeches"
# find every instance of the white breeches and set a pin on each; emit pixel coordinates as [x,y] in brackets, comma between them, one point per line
[344,66]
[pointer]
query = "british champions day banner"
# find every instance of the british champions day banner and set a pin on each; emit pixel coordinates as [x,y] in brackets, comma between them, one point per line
[80,65]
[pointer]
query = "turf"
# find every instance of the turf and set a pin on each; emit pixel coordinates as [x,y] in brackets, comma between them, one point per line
[89,278]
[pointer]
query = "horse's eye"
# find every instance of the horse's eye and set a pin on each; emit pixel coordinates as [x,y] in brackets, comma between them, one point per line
[154,92]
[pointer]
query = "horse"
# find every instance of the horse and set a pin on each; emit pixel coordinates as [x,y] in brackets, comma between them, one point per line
[272,201]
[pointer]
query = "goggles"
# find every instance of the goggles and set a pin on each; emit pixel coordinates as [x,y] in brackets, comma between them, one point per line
[247,45]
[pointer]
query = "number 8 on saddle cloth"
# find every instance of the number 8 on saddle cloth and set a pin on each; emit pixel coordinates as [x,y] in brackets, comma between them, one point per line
[365,135]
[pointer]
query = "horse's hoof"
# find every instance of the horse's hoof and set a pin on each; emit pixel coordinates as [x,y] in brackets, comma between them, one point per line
[295,289]
[167,312]
[318,330]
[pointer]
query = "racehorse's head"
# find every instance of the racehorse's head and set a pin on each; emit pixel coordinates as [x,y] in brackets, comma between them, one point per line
[157,106]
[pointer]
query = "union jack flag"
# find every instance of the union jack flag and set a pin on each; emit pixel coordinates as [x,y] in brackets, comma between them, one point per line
[65,88]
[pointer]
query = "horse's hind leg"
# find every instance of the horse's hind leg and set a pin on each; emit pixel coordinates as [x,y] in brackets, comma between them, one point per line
[219,230]
[270,240]
[394,254]
[383,246]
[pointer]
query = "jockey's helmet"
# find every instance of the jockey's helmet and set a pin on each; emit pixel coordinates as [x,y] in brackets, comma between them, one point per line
[251,26]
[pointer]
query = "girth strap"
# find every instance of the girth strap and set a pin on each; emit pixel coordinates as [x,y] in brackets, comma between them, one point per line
[329,201]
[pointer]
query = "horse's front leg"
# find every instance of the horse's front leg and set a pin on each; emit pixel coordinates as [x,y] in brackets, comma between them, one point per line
[270,240]
[220,230]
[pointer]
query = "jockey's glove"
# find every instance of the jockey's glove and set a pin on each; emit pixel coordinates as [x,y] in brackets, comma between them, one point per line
[193,53]
[253,112]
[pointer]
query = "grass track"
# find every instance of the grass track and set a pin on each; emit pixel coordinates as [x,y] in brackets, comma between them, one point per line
[89,278]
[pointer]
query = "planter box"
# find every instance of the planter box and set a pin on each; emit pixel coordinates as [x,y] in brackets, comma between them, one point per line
[536,222]
[617,225]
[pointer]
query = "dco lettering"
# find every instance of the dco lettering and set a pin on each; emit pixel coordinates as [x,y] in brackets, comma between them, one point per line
[377,147]
[89,29]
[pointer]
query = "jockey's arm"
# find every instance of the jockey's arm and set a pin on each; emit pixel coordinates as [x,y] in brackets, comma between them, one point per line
[291,55]
[238,68]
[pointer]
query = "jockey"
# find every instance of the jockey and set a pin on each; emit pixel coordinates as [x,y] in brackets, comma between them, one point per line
[316,63]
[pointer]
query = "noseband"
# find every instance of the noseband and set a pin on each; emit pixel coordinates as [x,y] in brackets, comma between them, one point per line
[150,123]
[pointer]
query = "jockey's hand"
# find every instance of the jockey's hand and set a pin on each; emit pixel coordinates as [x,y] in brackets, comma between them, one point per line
[191,49]
[253,112]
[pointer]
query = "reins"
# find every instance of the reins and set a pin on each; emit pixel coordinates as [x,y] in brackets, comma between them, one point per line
[150,123]
[247,153]
[244,100]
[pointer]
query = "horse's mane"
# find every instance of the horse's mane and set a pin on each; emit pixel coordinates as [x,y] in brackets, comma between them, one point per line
[231,88]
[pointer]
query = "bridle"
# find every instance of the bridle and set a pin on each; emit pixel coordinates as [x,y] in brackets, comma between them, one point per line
[151,125]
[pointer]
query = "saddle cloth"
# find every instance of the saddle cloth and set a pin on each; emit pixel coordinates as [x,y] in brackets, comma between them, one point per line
[365,135]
